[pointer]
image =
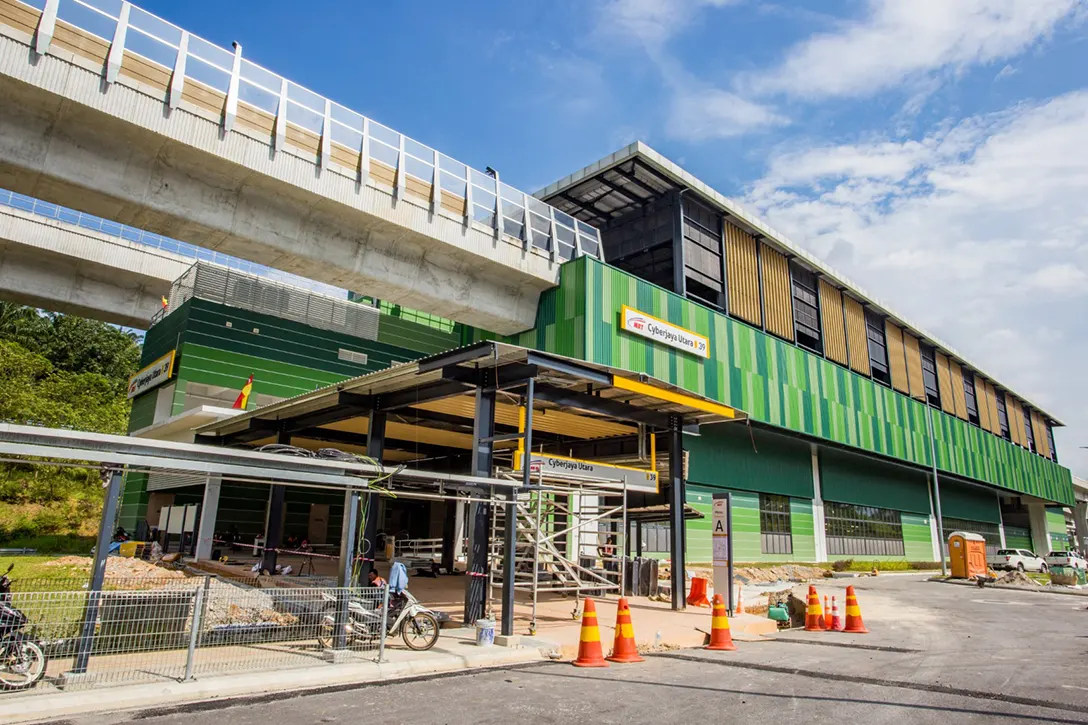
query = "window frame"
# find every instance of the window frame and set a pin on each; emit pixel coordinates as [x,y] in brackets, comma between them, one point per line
[1029,432]
[805,283]
[856,530]
[1050,440]
[1002,415]
[775,524]
[929,370]
[970,395]
[875,335]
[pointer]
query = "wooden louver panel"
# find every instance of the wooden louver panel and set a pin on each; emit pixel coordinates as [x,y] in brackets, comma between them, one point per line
[777,305]
[1016,420]
[914,367]
[958,396]
[944,383]
[1038,426]
[983,405]
[831,318]
[1021,424]
[742,274]
[991,400]
[897,361]
[856,338]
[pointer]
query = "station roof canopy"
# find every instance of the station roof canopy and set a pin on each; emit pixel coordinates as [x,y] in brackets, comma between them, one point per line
[430,405]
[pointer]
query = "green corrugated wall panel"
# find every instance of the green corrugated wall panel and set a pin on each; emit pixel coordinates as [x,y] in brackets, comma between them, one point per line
[917,537]
[803,530]
[142,413]
[780,384]
[1018,538]
[850,478]
[746,527]
[212,366]
[167,334]
[408,335]
[962,501]
[1055,527]
[734,456]
[698,530]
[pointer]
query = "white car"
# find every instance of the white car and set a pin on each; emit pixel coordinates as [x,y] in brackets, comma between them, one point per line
[1066,558]
[1021,559]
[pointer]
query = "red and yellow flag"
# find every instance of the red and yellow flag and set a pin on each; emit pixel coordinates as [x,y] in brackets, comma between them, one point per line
[165,303]
[243,397]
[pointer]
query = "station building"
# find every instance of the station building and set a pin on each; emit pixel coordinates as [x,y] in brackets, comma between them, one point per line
[850,408]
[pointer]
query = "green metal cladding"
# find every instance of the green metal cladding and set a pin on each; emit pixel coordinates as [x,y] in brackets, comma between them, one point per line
[746,534]
[917,538]
[775,382]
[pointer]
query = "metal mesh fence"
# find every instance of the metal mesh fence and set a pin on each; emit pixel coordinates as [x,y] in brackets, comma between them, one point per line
[180,628]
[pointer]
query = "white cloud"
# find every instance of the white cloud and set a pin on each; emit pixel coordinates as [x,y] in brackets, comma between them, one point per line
[978,232]
[651,22]
[899,41]
[702,113]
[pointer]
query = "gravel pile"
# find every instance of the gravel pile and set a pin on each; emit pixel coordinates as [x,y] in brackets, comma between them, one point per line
[1018,579]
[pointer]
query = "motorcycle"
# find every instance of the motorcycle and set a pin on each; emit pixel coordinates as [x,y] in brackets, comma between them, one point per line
[22,660]
[416,624]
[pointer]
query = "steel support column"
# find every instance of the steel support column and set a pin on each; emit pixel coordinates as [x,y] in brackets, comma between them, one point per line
[98,571]
[676,510]
[273,533]
[375,448]
[510,530]
[349,533]
[480,513]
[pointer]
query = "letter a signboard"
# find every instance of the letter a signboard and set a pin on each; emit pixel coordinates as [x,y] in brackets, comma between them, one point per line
[722,546]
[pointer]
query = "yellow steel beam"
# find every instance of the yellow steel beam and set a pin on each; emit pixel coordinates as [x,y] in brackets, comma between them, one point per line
[651,391]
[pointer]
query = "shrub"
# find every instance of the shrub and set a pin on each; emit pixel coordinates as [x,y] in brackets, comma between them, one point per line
[842,564]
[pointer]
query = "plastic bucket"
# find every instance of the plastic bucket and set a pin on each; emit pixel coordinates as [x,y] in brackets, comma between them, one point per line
[485,632]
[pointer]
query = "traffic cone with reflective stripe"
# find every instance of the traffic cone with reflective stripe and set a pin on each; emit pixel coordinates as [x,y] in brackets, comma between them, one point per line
[836,620]
[624,648]
[720,637]
[853,614]
[739,609]
[827,614]
[589,641]
[814,613]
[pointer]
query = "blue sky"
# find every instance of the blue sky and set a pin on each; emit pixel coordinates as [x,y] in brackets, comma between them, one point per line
[933,151]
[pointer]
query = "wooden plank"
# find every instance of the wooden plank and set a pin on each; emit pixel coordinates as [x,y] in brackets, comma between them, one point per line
[983,405]
[833,323]
[1038,427]
[19,16]
[991,400]
[145,71]
[897,360]
[202,96]
[303,139]
[958,395]
[777,295]
[856,337]
[417,187]
[380,172]
[742,275]
[944,384]
[255,118]
[452,202]
[74,40]
[915,378]
[344,156]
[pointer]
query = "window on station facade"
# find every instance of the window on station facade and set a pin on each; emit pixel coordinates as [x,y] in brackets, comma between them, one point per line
[990,532]
[806,308]
[929,375]
[1028,429]
[775,534]
[862,530]
[1050,440]
[655,539]
[878,347]
[969,393]
[1003,415]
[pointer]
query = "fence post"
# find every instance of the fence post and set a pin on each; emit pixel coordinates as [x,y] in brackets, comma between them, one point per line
[194,630]
[385,622]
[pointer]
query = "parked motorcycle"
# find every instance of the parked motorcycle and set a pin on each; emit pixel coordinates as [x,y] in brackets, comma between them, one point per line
[22,660]
[416,624]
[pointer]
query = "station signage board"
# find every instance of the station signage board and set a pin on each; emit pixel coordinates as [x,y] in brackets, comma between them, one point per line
[151,376]
[666,333]
[638,479]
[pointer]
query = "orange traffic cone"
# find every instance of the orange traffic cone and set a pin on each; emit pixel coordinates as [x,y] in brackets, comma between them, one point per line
[814,614]
[624,648]
[739,609]
[697,596]
[853,614]
[836,620]
[720,637]
[589,641]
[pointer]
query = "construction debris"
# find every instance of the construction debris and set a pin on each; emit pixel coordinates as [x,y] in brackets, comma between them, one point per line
[1018,579]
[117,567]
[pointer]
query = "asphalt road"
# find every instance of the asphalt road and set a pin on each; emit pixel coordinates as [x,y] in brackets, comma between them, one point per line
[937,653]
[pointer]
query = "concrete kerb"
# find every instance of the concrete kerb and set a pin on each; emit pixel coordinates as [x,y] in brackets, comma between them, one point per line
[1039,590]
[33,707]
